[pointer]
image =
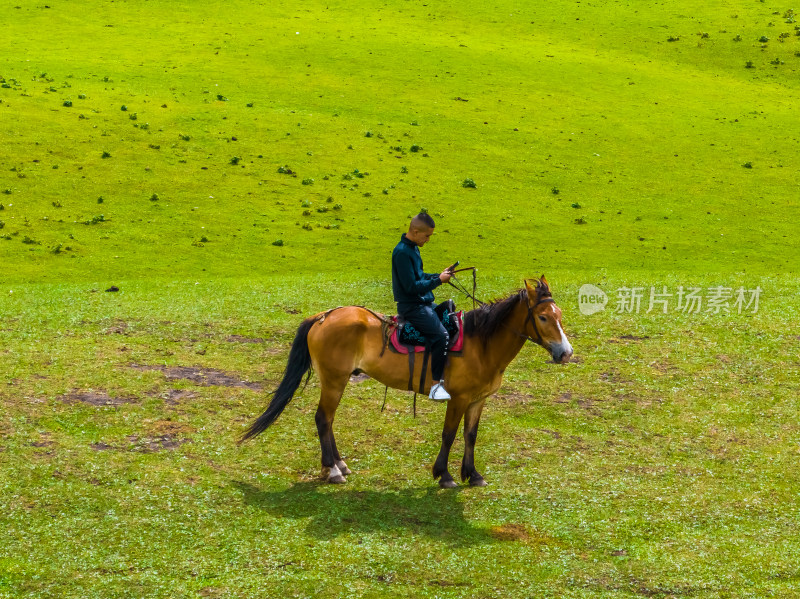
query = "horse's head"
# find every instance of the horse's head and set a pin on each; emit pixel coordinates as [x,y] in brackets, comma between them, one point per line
[544,321]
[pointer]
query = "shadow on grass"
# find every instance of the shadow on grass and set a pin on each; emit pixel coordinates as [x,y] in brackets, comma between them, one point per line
[335,511]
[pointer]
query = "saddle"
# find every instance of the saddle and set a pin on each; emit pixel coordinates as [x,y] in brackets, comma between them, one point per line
[404,338]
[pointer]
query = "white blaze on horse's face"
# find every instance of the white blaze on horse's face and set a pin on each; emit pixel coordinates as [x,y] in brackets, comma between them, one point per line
[561,349]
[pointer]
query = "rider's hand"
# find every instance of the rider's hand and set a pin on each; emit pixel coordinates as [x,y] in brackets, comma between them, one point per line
[445,276]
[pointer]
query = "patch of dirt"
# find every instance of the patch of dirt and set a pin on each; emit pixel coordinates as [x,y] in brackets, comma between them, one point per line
[205,377]
[510,398]
[120,327]
[101,446]
[95,398]
[174,396]
[44,441]
[170,427]
[241,339]
[519,532]
[510,532]
[664,367]
[613,376]
[153,444]
[359,378]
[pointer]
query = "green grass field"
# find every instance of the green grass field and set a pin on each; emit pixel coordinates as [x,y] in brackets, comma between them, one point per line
[234,167]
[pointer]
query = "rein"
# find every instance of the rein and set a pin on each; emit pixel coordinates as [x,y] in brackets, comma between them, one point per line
[459,286]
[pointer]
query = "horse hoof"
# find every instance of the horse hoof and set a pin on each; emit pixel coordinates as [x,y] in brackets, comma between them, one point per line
[447,484]
[337,480]
[344,469]
[478,482]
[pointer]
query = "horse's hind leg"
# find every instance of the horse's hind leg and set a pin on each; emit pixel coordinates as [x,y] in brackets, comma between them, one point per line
[333,467]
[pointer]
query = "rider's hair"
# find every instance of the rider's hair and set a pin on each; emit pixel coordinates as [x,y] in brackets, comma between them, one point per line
[423,218]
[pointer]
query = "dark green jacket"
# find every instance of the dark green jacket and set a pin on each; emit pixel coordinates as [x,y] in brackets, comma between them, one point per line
[410,285]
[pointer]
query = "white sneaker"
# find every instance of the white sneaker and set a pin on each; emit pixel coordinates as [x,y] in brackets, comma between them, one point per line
[438,393]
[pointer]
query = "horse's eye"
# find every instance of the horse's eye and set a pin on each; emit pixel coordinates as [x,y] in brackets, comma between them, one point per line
[543,319]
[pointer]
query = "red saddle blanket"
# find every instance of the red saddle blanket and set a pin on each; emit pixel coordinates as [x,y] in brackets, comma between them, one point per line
[456,345]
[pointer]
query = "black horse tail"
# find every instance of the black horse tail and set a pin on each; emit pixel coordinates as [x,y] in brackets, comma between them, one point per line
[298,364]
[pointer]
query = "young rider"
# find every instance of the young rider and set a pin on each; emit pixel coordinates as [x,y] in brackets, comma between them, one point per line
[413,292]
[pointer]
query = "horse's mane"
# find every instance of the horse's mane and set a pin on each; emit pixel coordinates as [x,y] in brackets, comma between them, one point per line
[485,321]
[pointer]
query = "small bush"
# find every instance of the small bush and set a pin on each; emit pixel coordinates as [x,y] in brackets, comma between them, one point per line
[308,181]
[68,103]
[185,137]
[235,160]
[123,108]
[278,243]
[749,65]
[748,165]
[105,155]
[469,183]
[555,191]
[30,241]
[154,197]
[575,205]
[763,39]
[737,38]
[415,148]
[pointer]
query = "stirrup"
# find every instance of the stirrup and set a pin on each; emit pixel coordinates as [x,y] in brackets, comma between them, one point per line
[438,393]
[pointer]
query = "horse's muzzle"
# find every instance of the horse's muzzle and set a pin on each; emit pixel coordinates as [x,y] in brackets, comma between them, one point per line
[561,356]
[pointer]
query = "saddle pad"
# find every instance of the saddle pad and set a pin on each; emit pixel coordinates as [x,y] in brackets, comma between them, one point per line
[403,349]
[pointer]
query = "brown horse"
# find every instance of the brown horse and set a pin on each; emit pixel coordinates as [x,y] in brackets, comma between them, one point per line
[339,342]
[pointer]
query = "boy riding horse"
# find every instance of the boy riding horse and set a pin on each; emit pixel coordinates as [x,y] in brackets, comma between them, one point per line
[413,292]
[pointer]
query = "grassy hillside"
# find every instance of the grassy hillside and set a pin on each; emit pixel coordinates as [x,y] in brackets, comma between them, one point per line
[233,167]
[643,138]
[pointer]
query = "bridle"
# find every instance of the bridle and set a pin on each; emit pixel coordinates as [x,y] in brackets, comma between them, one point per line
[460,287]
[539,340]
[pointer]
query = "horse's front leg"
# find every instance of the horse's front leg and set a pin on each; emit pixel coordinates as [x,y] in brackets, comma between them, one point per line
[455,411]
[471,419]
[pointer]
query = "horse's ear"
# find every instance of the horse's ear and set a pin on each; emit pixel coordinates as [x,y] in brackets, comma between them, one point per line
[544,282]
[532,290]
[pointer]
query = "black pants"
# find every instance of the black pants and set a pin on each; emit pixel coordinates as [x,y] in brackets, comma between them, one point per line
[430,325]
